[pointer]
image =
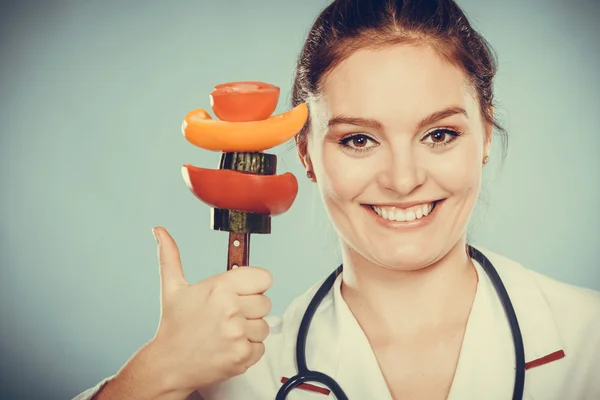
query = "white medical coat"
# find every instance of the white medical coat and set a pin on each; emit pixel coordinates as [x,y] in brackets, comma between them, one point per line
[560,325]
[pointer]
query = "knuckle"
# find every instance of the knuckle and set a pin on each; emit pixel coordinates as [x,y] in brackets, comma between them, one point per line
[218,287]
[230,310]
[252,354]
[239,369]
[242,352]
[210,289]
[235,330]
[229,306]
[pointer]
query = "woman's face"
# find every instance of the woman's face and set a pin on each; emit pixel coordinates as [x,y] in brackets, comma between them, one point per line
[396,145]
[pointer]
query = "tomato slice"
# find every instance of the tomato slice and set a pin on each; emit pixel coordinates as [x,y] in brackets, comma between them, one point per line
[244,101]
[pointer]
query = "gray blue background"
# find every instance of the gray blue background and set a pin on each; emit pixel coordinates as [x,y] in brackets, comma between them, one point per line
[92,98]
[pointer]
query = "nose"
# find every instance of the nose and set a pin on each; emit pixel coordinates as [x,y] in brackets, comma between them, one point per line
[402,173]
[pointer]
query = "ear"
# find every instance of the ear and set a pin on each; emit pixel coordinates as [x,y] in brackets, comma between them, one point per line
[303,155]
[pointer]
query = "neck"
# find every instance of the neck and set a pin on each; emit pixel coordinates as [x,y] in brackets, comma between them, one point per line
[389,302]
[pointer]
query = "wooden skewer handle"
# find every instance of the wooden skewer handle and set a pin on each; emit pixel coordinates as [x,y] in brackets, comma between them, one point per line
[239,250]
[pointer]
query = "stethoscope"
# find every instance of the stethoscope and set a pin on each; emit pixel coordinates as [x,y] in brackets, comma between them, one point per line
[306,375]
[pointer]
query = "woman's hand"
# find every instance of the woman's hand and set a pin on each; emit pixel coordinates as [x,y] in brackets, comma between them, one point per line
[209,331]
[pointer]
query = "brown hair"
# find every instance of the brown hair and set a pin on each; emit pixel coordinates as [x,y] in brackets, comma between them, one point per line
[348,25]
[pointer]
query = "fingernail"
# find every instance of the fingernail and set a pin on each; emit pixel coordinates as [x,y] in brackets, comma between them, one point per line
[155,235]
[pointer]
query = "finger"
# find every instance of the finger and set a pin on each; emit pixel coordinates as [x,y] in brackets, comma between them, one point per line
[171,271]
[255,306]
[249,280]
[257,330]
[258,350]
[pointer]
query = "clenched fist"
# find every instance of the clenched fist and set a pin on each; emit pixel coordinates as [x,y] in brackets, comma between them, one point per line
[211,330]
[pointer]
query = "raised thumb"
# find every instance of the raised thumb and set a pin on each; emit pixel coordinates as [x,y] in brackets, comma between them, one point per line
[169,261]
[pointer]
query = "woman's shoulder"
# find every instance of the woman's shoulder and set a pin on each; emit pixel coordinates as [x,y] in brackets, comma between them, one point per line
[574,309]
[554,290]
[560,326]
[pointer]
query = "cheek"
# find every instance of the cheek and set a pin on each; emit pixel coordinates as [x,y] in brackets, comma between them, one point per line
[459,170]
[341,177]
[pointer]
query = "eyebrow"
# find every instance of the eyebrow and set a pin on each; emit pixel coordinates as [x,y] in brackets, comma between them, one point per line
[374,124]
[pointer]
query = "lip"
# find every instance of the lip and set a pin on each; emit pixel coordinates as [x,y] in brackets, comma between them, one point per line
[403,225]
[405,205]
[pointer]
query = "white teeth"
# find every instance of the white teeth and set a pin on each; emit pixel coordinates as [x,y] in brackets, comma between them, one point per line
[396,214]
[427,208]
[419,212]
[400,215]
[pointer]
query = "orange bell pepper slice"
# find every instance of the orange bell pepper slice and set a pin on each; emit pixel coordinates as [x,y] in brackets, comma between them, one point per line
[235,190]
[201,130]
[244,101]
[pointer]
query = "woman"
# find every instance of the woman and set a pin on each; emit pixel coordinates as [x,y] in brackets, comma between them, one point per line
[401,120]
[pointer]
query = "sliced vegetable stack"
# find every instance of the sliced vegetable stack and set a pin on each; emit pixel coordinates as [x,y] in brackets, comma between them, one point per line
[245,192]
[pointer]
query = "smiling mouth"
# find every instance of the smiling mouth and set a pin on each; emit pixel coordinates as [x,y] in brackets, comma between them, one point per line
[413,213]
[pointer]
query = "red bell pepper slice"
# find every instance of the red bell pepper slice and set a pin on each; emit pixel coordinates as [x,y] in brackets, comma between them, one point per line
[234,190]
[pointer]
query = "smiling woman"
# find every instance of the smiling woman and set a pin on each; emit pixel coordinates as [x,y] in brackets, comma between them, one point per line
[371,146]
[400,95]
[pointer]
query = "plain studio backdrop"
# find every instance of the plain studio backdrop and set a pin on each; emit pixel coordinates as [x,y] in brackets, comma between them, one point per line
[93,94]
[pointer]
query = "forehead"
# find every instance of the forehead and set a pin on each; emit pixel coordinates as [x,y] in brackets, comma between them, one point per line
[400,82]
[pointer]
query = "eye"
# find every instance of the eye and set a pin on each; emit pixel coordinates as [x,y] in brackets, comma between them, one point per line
[440,137]
[358,142]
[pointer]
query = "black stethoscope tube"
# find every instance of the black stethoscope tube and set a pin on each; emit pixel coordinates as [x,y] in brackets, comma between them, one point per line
[306,375]
[488,267]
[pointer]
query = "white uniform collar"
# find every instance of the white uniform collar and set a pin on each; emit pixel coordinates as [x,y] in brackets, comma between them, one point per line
[486,364]
[540,333]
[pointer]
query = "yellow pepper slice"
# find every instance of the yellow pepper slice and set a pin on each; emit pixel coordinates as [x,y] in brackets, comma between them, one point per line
[201,130]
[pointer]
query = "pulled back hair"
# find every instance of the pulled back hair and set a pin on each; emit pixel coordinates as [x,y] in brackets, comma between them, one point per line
[346,26]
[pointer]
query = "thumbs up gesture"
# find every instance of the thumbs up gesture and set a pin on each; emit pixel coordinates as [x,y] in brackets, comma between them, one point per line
[212,330]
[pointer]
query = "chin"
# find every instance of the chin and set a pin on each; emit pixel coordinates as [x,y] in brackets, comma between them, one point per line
[393,256]
[406,257]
